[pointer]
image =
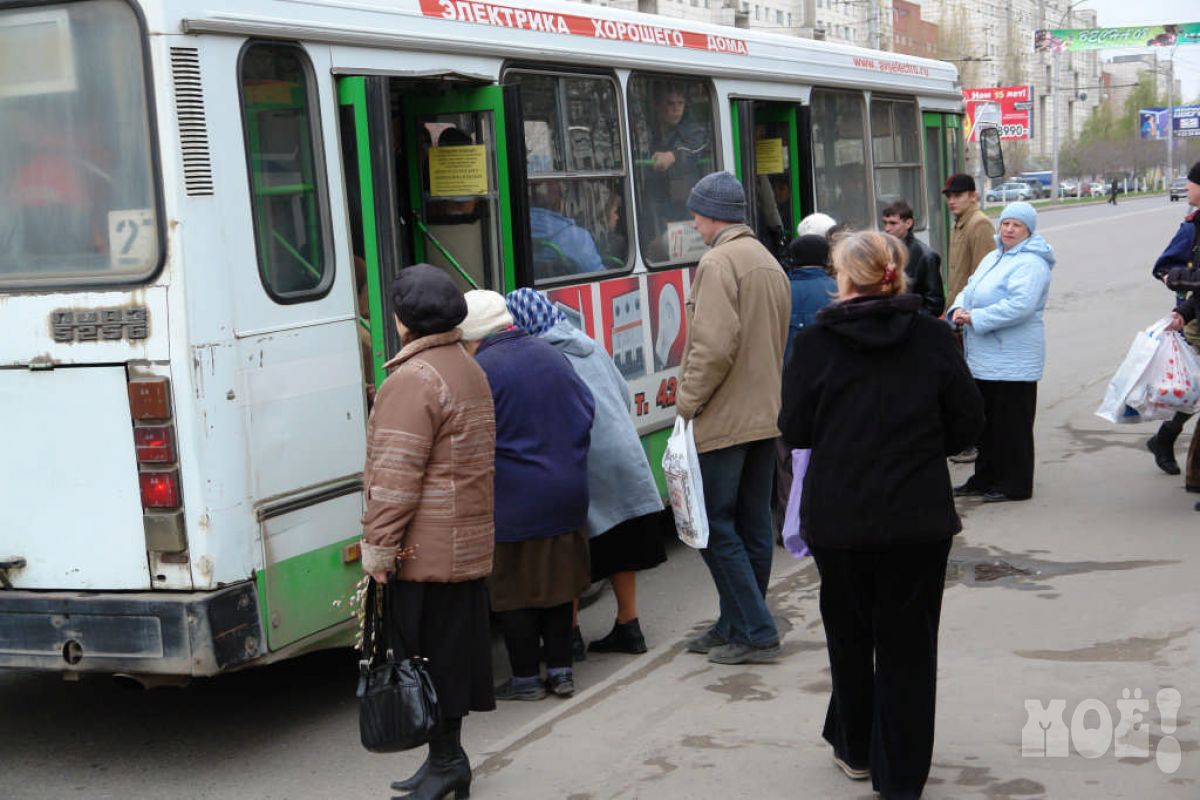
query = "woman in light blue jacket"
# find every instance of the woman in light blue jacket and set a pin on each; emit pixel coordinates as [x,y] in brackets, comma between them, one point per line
[624,505]
[1000,311]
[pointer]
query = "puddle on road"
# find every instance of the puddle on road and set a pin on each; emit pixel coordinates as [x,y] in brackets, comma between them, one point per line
[1087,440]
[981,566]
[741,687]
[1134,648]
[991,787]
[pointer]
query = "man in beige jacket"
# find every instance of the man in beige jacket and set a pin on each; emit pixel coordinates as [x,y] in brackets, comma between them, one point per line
[737,320]
[972,237]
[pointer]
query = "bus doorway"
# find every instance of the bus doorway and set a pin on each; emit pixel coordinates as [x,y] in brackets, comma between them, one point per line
[767,136]
[438,179]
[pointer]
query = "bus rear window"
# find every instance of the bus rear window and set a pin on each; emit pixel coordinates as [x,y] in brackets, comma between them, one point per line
[77,188]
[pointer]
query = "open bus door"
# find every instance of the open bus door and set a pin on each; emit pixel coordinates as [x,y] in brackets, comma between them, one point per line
[943,158]
[438,178]
[768,162]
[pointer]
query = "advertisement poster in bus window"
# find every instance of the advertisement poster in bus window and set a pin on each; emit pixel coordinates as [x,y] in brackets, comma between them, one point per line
[1009,108]
[667,322]
[621,321]
[576,304]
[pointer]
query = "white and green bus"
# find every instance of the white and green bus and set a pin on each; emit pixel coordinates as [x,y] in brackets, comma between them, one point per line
[201,207]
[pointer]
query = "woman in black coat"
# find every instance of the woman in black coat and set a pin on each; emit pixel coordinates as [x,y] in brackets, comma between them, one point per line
[881,395]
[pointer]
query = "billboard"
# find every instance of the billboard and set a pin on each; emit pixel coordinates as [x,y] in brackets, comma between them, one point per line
[1009,108]
[1152,122]
[1073,40]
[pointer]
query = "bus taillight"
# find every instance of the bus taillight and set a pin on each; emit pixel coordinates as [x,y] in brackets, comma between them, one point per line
[154,444]
[150,399]
[160,490]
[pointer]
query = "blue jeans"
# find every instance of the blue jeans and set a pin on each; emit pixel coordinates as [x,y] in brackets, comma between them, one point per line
[741,538]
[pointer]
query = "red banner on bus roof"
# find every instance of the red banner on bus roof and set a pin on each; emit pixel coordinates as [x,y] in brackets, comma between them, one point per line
[573,25]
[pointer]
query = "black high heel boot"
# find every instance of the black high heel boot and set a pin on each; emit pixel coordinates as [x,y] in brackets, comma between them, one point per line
[449,770]
[1162,444]
[411,782]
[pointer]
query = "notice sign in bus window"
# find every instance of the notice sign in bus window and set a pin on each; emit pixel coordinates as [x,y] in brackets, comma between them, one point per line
[768,156]
[35,54]
[458,170]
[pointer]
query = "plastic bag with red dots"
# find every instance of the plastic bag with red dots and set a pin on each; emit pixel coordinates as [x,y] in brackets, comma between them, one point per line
[1171,382]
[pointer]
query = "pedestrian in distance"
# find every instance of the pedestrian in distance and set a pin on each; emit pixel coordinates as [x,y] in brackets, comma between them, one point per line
[1112,192]
[737,322]
[877,513]
[543,430]
[1004,337]
[624,517]
[427,530]
[971,238]
[1177,268]
[923,272]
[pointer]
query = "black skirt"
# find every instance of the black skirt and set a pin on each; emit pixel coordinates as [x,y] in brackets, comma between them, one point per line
[449,624]
[632,546]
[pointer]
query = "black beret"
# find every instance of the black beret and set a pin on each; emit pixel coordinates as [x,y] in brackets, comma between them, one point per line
[427,301]
[808,251]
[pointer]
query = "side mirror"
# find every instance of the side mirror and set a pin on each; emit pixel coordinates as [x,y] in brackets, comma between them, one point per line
[991,152]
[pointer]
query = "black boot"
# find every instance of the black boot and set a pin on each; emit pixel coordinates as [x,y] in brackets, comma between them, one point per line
[625,637]
[578,653]
[449,770]
[1162,444]
[410,783]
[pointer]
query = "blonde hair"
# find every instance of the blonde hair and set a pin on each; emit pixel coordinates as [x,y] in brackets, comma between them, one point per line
[872,262]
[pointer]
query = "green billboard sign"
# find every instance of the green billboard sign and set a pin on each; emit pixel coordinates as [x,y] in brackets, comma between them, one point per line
[1078,39]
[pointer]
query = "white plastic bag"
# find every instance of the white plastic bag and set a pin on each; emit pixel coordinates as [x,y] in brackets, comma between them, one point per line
[1171,382]
[681,468]
[1115,407]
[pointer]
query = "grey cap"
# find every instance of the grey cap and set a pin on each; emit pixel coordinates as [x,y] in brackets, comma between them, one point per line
[718,195]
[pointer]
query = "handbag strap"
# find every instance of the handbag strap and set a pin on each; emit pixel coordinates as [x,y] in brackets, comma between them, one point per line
[377,632]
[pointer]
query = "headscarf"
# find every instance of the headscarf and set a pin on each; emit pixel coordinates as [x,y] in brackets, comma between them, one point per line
[532,311]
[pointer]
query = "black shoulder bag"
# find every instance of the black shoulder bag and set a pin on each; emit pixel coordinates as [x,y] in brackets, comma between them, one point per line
[397,704]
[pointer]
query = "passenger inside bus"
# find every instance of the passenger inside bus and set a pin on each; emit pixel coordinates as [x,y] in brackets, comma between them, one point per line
[560,246]
[675,151]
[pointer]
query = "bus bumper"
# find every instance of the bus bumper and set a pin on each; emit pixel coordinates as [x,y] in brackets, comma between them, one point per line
[192,633]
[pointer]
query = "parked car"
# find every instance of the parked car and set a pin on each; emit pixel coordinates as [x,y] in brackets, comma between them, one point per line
[1178,190]
[1068,189]
[1007,192]
[1098,189]
[1036,187]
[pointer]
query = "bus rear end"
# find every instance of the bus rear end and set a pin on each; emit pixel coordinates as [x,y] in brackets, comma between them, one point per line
[91,501]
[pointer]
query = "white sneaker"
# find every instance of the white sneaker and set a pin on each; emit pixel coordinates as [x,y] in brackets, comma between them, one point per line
[852,773]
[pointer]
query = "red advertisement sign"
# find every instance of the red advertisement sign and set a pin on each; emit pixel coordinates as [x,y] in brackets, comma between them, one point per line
[528,19]
[1009,108]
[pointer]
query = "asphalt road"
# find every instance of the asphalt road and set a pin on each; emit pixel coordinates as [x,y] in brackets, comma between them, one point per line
[1086,590]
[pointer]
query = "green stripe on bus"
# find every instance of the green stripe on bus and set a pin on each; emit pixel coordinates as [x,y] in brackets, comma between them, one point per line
[297,595]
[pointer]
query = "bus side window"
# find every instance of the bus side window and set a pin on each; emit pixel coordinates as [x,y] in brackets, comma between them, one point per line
[896,148]
[840,157]
[674,146]
[577,176]
[280,115]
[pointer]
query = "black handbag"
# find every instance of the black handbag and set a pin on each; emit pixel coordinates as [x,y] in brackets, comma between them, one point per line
[397,703]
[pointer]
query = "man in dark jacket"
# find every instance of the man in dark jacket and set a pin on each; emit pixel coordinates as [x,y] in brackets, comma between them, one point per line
[1176,267]
[924,268]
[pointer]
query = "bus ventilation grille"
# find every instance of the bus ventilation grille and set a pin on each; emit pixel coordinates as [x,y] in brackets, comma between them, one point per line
[193,127]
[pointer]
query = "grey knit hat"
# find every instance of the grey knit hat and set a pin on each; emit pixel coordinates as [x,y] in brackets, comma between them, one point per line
[718,195]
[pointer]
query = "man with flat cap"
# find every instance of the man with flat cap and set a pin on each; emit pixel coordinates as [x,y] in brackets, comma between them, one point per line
[428,530]
[730,382]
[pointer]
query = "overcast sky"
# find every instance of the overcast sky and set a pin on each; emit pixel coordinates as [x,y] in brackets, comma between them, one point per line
[1122,13]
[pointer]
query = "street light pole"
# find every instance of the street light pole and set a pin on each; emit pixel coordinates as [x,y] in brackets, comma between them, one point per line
[1054,181]
[1170,118]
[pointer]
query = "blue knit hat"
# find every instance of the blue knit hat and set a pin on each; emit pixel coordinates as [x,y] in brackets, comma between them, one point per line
[1023,213]
[718,195]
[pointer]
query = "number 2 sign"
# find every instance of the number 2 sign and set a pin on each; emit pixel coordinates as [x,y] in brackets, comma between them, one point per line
[132,238]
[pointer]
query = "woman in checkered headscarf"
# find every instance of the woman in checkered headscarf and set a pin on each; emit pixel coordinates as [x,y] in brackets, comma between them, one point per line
[624,510]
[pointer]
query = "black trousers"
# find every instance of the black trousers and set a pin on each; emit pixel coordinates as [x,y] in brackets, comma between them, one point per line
[881,611]
[1005,462]
[531,632]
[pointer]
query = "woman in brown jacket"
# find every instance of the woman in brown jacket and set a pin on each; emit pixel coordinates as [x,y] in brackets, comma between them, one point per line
[431,444]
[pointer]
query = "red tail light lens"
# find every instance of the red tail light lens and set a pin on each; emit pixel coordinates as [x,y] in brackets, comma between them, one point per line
[159,489]
[154,444]
[150,399]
